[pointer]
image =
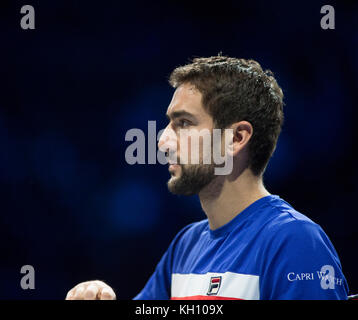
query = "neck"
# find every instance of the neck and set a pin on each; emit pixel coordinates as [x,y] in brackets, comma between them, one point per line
[224,198]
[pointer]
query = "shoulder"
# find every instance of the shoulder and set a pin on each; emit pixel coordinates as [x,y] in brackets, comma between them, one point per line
[285,221]
[292,233]
[294,253]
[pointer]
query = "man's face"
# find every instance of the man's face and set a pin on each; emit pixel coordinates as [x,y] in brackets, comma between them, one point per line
[190,159]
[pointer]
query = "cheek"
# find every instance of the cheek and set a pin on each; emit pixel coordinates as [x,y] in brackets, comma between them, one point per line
[207,150]
[195,146]
[200,149]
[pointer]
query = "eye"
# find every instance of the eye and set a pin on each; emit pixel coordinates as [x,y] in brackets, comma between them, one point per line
[182,123]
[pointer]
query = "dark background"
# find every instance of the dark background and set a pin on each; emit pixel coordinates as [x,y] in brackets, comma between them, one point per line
[73,208]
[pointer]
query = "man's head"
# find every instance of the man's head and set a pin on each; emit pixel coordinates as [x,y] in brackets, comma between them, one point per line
[222,92]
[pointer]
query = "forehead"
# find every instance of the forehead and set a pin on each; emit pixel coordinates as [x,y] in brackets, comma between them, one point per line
[186,98]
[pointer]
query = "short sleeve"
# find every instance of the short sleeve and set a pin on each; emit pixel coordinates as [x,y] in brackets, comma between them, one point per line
[158,286]
[301,263]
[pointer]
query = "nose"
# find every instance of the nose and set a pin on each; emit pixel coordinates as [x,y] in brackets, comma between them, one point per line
[168,141]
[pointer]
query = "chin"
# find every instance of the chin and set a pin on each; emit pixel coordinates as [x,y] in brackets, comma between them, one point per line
[172,181]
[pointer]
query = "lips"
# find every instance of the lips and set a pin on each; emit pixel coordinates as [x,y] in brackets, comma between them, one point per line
[173,163]
[173,167]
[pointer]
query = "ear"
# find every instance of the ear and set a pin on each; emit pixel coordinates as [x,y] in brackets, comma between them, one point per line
[242,132]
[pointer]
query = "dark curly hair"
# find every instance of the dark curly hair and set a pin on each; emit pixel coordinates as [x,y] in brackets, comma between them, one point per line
[234,90]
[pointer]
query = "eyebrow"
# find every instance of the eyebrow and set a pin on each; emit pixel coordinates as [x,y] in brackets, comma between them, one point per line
[180,113]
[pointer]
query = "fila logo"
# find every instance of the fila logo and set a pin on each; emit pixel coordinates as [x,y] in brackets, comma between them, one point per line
[214,286]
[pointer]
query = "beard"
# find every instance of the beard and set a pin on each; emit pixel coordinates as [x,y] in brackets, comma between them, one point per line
[192,180]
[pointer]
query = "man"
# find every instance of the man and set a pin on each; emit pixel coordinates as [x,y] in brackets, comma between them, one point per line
[253,245]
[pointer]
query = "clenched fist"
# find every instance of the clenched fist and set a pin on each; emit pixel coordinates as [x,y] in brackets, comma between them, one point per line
[91,290]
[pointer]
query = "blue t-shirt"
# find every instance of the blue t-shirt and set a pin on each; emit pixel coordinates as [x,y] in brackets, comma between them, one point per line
[268,251]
